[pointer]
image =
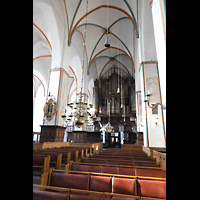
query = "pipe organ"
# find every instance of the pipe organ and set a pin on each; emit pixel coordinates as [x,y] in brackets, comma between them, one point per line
[124,100]
[114,94]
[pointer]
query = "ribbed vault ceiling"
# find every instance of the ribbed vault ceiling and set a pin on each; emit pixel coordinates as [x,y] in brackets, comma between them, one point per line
[61,22]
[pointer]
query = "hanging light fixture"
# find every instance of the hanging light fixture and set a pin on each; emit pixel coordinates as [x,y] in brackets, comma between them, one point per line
[109,128]
[118,90]
[80,113]
[107,44]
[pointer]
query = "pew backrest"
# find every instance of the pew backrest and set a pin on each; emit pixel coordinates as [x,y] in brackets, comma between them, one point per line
[76,181]
[100,183]
[109,170]
[119,170]
[56,158]
[151,188]
[150,173]
[126,171]
[41,195]
[86,168]
[115,185]
[42,162]
[124,186]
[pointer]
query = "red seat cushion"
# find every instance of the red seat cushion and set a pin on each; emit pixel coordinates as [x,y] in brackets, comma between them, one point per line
[122,198]
[128,163]
[151,188]
[86,168]
[76,181]
[112,162]
[99,196]
[45,195]
[38,160]
[81,197]
[109,170]
[126,171]
[150,173]
[94,161]
[124,186]
[100,183]
[146,164]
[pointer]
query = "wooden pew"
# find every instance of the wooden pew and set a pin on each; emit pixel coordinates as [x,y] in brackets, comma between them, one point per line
[150,172]
[82,151]
[121,162]
[65,151]
[68,193]
[124,153]
[151,188]
[160,158]
[119,169]
[132,157]
[41,162]
[106,185]
[38,194]
[55,158]
[66,155]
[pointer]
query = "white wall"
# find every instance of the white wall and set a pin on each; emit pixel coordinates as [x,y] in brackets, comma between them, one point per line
[39,102]
[150,46]
[159,29]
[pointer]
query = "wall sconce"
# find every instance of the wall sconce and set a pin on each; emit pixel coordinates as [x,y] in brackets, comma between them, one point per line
[153,105]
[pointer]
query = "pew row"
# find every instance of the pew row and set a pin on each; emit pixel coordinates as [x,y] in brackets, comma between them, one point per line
[68,194]
[105,185]
[62,155]
[122,151]
[134,153]
[135,157]
[82,151]
[123,157]
[55,158]
[122,170]
[95,147]
[76,153]
[121,162]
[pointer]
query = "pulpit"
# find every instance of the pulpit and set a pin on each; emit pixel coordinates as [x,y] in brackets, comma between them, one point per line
[52,133]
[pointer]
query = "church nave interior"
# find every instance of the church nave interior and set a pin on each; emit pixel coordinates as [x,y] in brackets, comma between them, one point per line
[99,99]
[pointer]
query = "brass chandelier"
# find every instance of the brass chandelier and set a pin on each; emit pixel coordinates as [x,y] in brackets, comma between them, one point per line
[80,109]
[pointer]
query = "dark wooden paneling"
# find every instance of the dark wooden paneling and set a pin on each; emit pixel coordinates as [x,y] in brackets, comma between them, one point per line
[52,134]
